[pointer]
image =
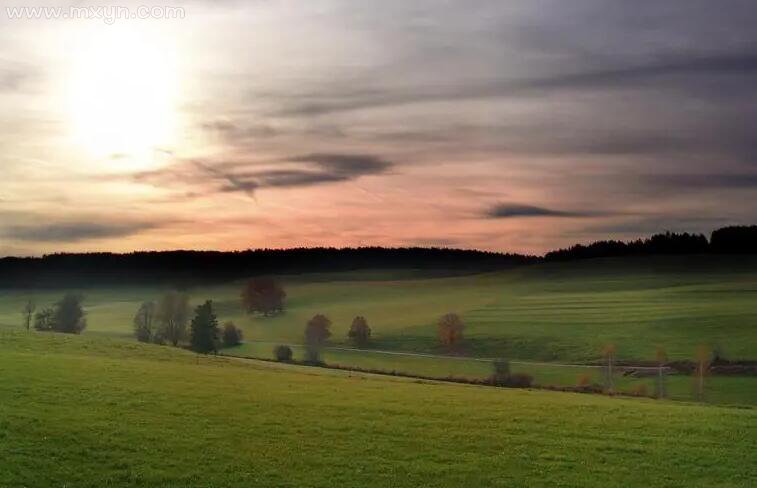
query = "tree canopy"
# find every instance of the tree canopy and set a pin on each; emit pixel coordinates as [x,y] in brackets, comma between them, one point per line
[263,295]
[204,329]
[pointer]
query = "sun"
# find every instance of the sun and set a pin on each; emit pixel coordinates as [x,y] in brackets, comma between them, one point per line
[122,95]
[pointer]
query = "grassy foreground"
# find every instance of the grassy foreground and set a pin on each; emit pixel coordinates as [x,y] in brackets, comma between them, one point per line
[93,411]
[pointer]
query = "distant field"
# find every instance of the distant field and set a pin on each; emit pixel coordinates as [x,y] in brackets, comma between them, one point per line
[93,411]
[550,312]
[733,390]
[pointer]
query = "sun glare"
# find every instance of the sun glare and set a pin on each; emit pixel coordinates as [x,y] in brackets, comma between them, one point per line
[122,95]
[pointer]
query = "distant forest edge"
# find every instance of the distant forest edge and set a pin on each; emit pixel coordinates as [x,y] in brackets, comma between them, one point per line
[189,267]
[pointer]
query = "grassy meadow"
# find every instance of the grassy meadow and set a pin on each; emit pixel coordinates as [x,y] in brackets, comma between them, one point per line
[554,312]
[92,411]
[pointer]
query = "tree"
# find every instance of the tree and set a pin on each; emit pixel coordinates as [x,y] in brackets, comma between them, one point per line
[43,320]
[360,332]
[317,331]
[144,322]
[232,335]
[703,357]
[263,295]
[662,358]
[282,353]
[501,371]
[204,329]
[172,313]
[608,353]
[451,330]
[69,314]
[28,313]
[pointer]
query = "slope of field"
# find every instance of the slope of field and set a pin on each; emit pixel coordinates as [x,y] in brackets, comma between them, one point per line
[92,411]
[552,312]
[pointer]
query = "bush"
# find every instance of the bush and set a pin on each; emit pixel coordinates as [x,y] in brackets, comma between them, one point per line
[640,390]
[232,335]
[282,353]
[43,320]
[520,380]
[584,379]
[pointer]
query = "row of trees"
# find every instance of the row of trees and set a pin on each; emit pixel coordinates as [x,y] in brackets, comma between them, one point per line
[66,315]
[167,321]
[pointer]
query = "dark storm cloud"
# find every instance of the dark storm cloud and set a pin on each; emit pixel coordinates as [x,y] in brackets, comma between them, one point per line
[247,177]
[514,210]
[73,231]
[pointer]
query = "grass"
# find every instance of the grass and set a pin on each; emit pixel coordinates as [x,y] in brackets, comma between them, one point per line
[553,312]
[95,411]
[558,312]
[730,390]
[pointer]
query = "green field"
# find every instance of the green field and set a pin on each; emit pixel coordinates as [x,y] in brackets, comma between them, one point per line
[89,411]
[559,312]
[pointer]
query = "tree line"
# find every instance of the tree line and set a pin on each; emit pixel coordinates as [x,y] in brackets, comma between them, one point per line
[726,240]
[182,269]
[186,268]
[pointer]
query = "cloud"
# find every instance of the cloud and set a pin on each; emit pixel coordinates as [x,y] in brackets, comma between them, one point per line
[247,177]
[511,210]
[73,231]
[703,181]
[347,165]
[682,67]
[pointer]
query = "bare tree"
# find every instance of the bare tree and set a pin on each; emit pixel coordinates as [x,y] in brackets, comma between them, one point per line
[145,323]
[662,358]
[609,352]
[173,314]
[703,357]
[28,313]
[451,330]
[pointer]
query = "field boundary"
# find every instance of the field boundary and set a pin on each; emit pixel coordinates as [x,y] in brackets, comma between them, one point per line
[459,358]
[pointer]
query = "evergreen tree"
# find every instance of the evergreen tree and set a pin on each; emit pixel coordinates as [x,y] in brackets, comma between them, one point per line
[204,329]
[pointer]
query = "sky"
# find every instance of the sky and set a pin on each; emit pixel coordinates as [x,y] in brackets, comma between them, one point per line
[517,126]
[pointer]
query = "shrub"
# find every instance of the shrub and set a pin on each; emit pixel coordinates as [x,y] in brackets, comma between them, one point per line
[282,353]
[232,335]
[43,320]
[640,390]
[584,379]
[520,380]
